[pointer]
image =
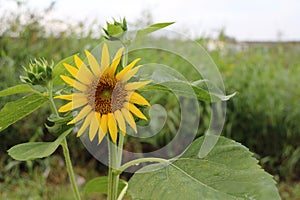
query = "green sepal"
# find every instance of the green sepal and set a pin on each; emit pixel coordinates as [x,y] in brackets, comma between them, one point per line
[55,125]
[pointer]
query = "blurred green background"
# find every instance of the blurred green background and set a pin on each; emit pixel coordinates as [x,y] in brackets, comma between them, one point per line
[264,115]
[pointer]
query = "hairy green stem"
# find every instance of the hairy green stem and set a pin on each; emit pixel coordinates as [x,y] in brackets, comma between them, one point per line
[138,161]
[52,104]
[70,169]
[64,145]
[113,177]
[115,154]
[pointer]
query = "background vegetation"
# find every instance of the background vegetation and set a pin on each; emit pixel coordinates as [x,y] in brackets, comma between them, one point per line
[263,116]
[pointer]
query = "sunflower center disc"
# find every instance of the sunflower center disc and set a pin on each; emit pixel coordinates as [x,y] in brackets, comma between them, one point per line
[107,95]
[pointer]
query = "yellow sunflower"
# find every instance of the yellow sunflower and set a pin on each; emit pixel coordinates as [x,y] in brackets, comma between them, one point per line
[105,99]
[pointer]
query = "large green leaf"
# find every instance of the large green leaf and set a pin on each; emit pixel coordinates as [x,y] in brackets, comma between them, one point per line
[34,150]
[22,88]
[59,69]
[152,28]
[16,110]
[228,172]
[100,185]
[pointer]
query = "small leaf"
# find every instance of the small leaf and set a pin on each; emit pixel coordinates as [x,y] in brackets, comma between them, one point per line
[34,150]
[59,69]
[22,88]
[228,172]
[16,110]
[100,185]
[152,28]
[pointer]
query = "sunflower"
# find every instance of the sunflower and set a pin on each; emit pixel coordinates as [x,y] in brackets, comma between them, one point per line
[105,99]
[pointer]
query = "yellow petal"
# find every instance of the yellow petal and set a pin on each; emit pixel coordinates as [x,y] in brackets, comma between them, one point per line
[126,69]
[67,80]
[72,70]
[93,126]
[65,108]
[121,122]
[98,115]
[73,105]
[85,124]
[116,61]
[105,57]
[71,96]
[130,74]
[103,124]
[136,111]
[78,96]
[112,127]
[84,75]
[129,119]
[75,84]
[100,136]
[83,113]
[65,97]
[93,63]
[137,99]
[136,85]
[78,102]
[78,62]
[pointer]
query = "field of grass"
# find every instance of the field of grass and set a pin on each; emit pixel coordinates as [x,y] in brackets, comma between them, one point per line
[263,115]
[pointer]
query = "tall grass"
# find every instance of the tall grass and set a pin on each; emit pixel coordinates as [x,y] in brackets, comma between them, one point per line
[263,115]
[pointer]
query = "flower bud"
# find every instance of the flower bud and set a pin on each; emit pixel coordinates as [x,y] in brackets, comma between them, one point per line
[39,72]
[115,30]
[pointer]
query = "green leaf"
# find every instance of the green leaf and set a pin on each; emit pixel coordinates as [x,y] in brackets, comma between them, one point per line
[100,185]
[16,110]
[152,28]
[59,69]
[168,79]
[228,172]
[184,89]
[34,150]
[22,88]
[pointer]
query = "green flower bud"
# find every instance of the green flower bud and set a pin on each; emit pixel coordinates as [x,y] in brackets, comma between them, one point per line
[115,30]
[39,72]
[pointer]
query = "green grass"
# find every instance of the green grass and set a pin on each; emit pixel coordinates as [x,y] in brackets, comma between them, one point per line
[263,115]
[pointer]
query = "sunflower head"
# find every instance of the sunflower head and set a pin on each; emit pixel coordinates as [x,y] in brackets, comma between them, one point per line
[106,100]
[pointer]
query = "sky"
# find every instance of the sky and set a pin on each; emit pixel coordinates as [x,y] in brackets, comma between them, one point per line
[256,20]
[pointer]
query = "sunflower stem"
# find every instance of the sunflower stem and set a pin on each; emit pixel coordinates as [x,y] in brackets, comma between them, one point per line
[52,104]
[113,177]
[64,145]
[70,169]
[115,154]
[120,149]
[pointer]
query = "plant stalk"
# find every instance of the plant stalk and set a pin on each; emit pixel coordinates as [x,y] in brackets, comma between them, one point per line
[64,145]
[70,169]
[113,177]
